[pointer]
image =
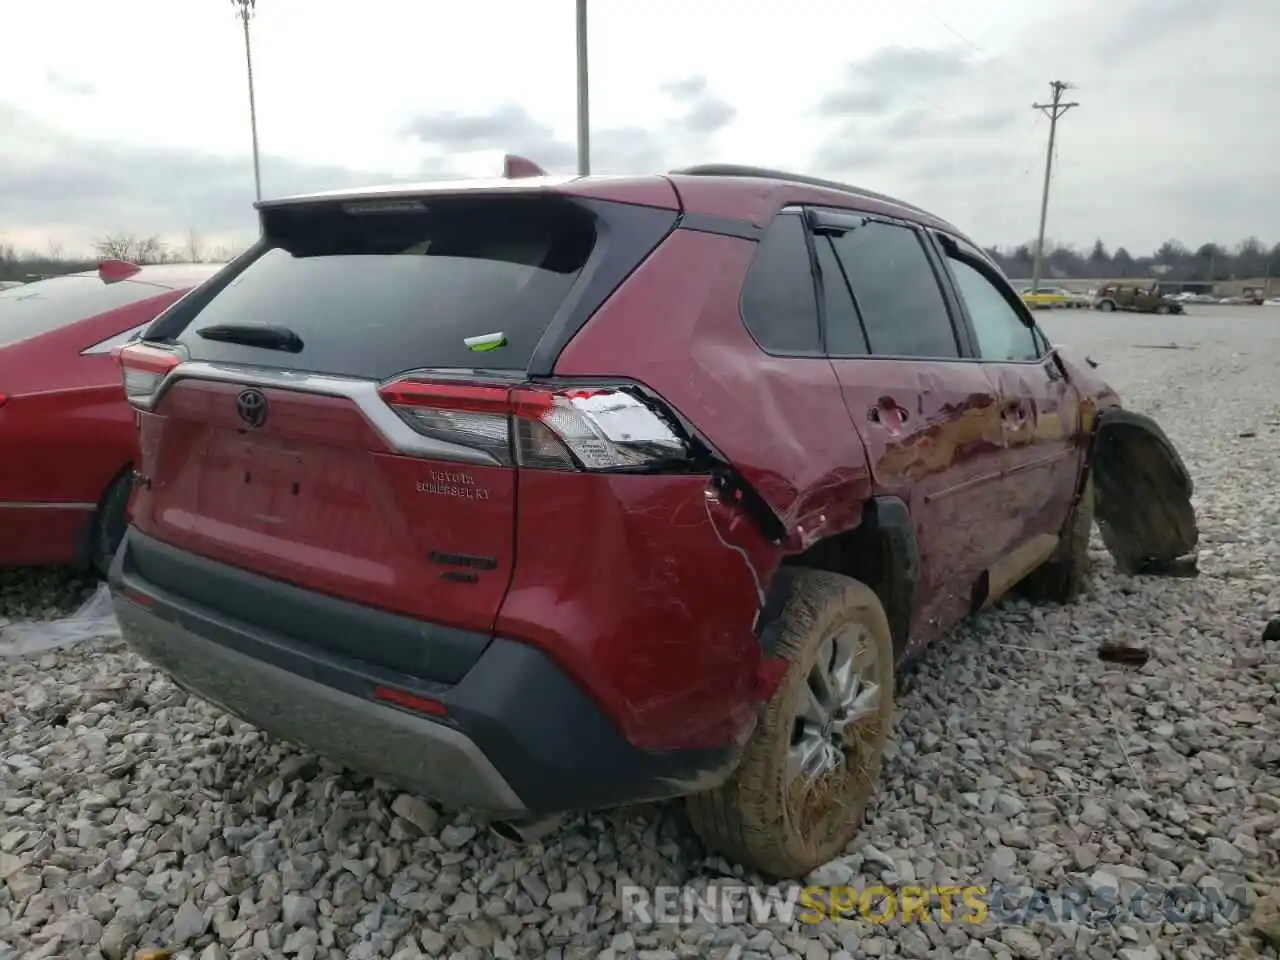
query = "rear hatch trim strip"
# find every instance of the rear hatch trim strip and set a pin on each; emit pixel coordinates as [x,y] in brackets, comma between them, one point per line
[363,393]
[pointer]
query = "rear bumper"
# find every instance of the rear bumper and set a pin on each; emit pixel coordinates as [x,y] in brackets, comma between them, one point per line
[519,738]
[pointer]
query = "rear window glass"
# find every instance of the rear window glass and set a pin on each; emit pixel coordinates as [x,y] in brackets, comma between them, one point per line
[371,294]
[46,305]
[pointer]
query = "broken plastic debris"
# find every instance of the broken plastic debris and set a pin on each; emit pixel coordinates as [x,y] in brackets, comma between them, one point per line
[486,342]
[1271,632]
[1123,653]
[94,620]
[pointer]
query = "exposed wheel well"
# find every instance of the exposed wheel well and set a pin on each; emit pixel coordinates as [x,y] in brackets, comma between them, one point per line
[880,552]
[89,537]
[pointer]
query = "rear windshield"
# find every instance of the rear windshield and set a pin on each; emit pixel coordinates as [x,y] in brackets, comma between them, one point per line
[46,305]
[371,293]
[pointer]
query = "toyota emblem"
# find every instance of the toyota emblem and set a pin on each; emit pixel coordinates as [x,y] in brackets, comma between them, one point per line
[251,405]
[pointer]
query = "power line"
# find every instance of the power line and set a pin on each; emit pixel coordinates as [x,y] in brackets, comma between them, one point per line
[1054,110]
[584,107]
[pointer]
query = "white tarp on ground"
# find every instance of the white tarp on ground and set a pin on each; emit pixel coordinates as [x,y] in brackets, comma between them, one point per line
[94,620]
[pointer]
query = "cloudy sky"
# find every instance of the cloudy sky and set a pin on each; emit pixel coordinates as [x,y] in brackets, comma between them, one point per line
[132,115]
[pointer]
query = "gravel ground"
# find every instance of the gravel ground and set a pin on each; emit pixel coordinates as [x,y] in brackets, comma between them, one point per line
[133,816]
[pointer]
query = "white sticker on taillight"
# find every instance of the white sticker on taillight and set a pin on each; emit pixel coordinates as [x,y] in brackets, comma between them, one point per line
[633,432]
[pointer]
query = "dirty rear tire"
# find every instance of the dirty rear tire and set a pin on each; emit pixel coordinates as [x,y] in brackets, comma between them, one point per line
[751,818]
[1106,306]
[1061,578]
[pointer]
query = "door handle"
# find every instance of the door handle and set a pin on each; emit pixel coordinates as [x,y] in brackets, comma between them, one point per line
[1015,412]
[888,412]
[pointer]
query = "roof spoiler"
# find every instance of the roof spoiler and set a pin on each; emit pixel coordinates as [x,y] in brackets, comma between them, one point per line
[113,271]
[515,168]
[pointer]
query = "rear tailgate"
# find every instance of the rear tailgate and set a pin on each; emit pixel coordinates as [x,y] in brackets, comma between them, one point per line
[327,464]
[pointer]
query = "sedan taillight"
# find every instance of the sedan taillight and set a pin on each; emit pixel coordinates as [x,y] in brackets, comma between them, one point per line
[143,367]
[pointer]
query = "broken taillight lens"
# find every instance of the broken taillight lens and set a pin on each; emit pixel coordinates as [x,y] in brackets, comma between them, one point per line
[597,428]
[143,368]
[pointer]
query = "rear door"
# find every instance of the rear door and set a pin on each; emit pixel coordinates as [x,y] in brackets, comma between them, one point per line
[1039,408]
[297,450]
[927,412]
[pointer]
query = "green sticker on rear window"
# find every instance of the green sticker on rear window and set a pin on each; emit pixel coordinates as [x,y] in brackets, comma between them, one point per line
[485,342]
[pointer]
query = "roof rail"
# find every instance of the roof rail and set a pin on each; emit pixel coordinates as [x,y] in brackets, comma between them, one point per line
[764,173]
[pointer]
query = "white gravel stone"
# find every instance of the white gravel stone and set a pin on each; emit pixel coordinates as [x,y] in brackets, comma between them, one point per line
[134,815]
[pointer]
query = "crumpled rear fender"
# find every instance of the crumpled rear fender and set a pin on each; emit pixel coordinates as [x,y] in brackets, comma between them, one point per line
[1142,491]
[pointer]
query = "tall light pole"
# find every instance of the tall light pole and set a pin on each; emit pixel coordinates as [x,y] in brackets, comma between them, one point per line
[244,9]
[1053,111]
[584,109]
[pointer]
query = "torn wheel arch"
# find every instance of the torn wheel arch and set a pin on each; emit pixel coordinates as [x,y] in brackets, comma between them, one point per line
[1143,491]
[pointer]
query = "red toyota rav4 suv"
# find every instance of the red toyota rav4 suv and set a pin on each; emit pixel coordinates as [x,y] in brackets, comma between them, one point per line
[540,495]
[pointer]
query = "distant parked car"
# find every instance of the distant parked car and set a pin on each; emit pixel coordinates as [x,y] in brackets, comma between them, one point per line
[67,434]
[1127,296]
[1052,297]
[1271,302]
[1042,297]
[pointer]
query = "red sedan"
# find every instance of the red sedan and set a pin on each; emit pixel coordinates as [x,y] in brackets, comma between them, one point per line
[67,436]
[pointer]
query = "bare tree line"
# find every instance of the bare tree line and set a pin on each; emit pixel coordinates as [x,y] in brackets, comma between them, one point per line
[1171,261]
[120,245]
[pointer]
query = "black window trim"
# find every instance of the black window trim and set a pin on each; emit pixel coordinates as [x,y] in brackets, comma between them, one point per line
[822,299]
[799,213]
[819,287]
[820,218]
[950,247]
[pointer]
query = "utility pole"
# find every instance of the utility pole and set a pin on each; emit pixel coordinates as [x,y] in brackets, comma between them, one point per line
[1053,110]
[584,109]
[244,9]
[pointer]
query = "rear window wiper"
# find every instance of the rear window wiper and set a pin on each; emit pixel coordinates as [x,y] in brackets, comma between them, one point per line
[264,335]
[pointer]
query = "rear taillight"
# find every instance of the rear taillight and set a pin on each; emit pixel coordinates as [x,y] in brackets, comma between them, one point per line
[143,368]
[597,428]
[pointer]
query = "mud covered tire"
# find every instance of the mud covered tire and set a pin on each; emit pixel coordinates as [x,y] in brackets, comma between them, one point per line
[761,817]
[1061,578]
[1106,306]
[109,522]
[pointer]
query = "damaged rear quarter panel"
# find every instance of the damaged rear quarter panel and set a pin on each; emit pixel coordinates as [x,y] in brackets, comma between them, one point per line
[644,589]
[674,326]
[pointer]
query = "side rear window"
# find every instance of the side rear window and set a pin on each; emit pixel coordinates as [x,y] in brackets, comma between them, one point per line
[779,300]
[37,308]
[1001,332]
[896,291]
[374,289]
